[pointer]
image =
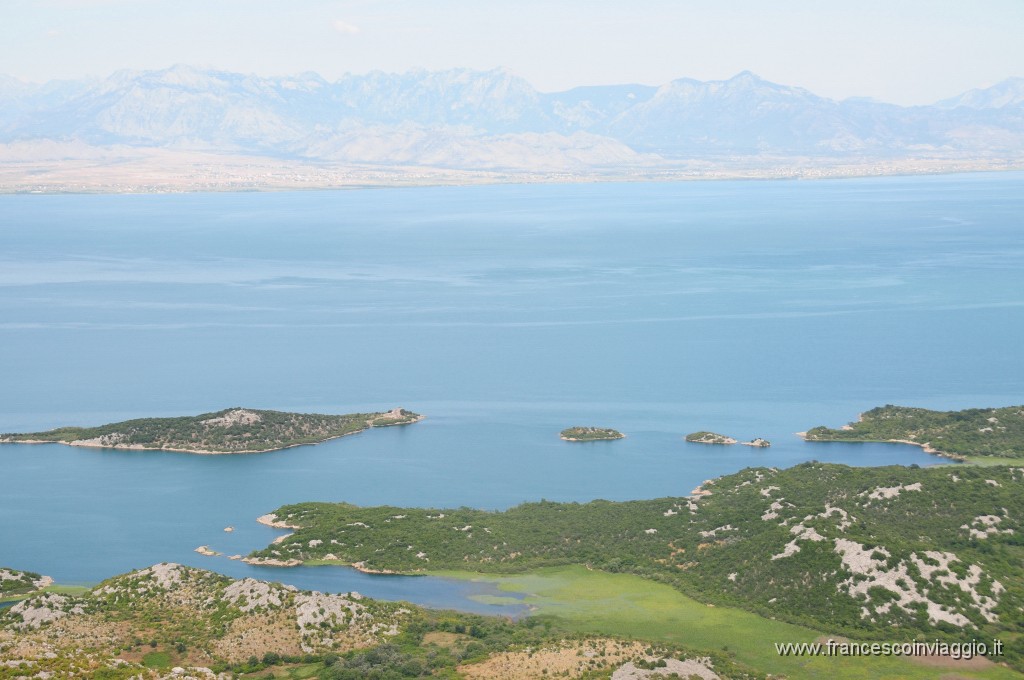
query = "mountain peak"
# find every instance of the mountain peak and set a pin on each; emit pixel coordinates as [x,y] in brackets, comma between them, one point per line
[426,117]
[746,77]
[1009,92]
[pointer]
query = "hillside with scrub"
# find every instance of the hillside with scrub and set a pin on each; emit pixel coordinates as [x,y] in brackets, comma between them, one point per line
[15,584]
[865,552]
[172,621]
[986,432]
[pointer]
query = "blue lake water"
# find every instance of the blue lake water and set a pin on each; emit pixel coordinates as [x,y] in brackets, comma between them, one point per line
[504,314]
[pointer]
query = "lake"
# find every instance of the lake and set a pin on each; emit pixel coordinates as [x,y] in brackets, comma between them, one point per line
[503,313]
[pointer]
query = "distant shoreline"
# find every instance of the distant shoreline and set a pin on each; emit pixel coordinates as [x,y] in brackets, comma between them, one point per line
[201,452]
[160,171]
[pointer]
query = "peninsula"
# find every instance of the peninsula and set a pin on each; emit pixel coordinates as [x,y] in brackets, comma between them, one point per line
[990,432]
[15,584]
[814,545]
[589,434]
[233,430]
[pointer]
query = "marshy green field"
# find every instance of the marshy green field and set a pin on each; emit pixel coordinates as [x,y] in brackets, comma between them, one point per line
[629,606]
[55,588]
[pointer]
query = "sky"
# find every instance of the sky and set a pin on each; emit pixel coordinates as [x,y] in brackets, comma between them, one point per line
[900,51]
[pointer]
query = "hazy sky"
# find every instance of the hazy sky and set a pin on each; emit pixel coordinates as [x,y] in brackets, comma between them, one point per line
[901,51]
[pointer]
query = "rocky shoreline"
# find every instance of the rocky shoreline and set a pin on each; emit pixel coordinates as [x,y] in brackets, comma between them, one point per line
[924,446]
[270,520]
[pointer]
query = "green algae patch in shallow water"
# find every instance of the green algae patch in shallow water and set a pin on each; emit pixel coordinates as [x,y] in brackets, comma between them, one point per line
[624,605]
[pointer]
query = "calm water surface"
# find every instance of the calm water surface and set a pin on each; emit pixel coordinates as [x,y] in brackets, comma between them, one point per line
[503,313]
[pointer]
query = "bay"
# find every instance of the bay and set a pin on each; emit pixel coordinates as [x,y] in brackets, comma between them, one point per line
[503,313]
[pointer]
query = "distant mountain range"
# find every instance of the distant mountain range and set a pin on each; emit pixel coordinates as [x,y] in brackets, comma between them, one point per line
[493,120]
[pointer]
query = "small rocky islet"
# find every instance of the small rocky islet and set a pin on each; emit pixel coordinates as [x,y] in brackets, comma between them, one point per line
[705,437]
[589,434]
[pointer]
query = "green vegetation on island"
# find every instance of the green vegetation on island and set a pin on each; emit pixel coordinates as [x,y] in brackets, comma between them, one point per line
[589,434]
[758,443]
[704,437]
[146,623]
[989,432]
[890,553]
[233,430]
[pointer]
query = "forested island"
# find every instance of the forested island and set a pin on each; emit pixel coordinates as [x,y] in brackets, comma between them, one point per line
[887,551]
[589,434]
[705,437]
[232,430]
[994,432]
